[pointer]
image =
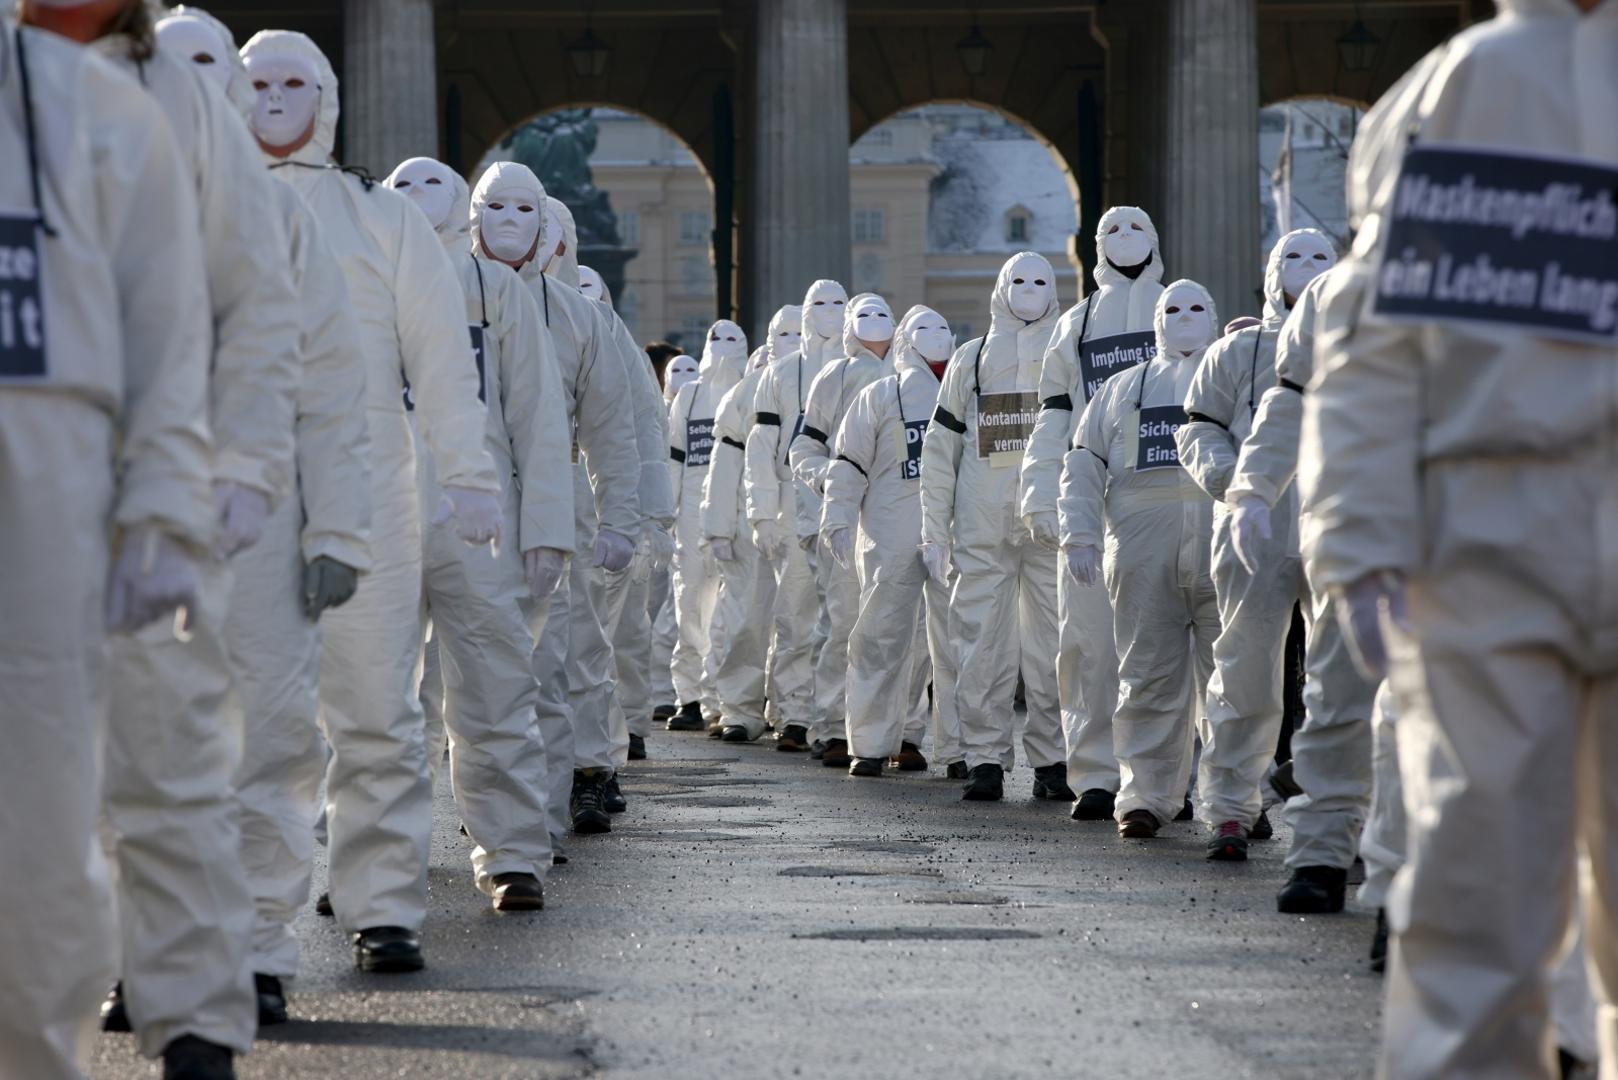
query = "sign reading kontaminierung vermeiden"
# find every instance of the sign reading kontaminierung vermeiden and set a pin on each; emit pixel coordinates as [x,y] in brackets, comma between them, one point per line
[1505,239]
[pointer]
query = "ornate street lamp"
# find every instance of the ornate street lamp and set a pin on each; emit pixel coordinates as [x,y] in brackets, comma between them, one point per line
[974,50]
[589,54]
[1356,48]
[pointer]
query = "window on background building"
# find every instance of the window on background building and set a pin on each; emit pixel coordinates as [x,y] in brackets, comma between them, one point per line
[629,227]
[694,274]
[868,272]
[695,226]
[1019,225]
[878,136]
[870,226]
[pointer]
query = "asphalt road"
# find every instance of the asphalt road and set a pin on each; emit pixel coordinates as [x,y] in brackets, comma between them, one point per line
[756,915]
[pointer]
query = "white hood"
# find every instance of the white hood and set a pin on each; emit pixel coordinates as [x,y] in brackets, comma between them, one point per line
[500,175]
[1144,288]
[318,150]
[457,227]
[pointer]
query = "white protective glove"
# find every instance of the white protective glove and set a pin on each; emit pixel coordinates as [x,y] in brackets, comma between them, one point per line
[1083,563]
[1041,526]
[936,558]
[767,538]
[1249,524]
[242,513]
[477,515]
[151,576]
[840,542]
[1360,610]
[661,545]
[543,568]
[612,551]
[722,548]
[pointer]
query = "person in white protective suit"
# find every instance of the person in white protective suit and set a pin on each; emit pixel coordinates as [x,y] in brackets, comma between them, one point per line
[691,445]
[625,615]
[872,520]
[105,474]
[784,516]
[487,606]
[315,544]
[1105,332]
[681,370]
[184,908]
[1003,609]
[1245,703]
[1124,487]
[600,731]
[605,477]
[867,340]
[1332,748]
[743,653]
[406,301]
[1458,494]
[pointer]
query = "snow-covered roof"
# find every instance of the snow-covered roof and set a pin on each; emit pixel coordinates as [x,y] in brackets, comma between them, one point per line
[981,179]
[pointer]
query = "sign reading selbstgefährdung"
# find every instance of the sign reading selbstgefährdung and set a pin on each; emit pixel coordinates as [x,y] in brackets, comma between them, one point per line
[1504,239]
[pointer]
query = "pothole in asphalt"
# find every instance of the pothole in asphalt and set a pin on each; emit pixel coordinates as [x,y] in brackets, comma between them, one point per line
[717,801]
[922,933]
[971,898]
[888,847]
[860,871]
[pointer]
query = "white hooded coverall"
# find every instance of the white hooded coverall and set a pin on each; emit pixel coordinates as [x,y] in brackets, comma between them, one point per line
[1105,332]
[411,321]
[873,487]
[185,909]
[103,426]
[484,621]
[1477,462]
[793,511]
[1245,703]
[1003,610]
[1123,485]
[744,621]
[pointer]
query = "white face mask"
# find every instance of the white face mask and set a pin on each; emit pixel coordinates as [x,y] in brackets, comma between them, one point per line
[1305,259]
[1187,321]
[288,95]
[1029,289]
[554,233]
[681,370]
[933,342]
[591,285]
[826,314]
[873,324]
[189,38]
[509,224]
[787,342]
[1127,243]
[725,341]
[429,185]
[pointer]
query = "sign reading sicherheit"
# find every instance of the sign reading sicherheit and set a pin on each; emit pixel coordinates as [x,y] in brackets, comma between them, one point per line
[1505,239]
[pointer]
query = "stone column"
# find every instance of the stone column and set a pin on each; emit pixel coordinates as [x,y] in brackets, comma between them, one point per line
[1210,223]
[798,153]
[389,83]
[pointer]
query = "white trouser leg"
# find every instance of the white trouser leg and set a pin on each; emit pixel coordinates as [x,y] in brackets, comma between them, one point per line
[665,631]
[1244,702]
[275,664]
[1331,750]
[942,663]
[432,696]
[378,791]
[839,592]
[920,714]
[632,660]
[497,757]
[1382,844]
[185,910]
[880,700]
[56,940]
[554,712]
[983,624]
[1087,682]
[691,582]
[793,689]
[591,683]
[1042,741]
[741,643]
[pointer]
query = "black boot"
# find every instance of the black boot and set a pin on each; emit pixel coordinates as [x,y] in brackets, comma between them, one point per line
[387,950]
[792,739]
[272,1000]
[1262,829]
[865,766]
[516,891]
[661,714]
[323,905]
[585,804]
[733,733]
[1050,782]
[1096,804]
[957,770]
[191,1058]
[637,747]
[689,718]
[1379,942]
[1313,890]
[986,785]
[114,1017]
[612,796]
[1186,812]
[836,755]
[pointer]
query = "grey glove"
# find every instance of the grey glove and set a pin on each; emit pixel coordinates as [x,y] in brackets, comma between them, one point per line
[327,583]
